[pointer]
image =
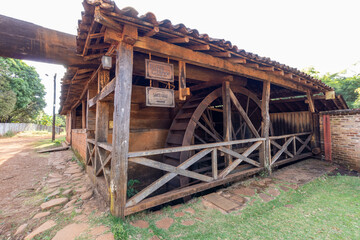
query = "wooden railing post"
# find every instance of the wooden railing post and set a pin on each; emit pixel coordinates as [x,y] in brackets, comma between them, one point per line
[122,103]
[214,163]
[265,127]
[227,118]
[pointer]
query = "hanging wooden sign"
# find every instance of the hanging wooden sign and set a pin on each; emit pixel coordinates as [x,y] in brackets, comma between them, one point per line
[159,71]
[160,97]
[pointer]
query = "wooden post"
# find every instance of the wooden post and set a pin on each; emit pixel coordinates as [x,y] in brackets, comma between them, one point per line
[101,131]
[227,117]
[312,113]
[265,127]
[54,116]
[183,91]
[83,114]
[122,103]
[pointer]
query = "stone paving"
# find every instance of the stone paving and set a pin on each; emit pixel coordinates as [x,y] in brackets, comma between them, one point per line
[67,191]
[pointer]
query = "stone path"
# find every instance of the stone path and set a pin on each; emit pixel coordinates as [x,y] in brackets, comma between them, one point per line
[66,191]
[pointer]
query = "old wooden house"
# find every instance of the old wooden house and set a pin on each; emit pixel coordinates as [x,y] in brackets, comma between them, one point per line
[179,111]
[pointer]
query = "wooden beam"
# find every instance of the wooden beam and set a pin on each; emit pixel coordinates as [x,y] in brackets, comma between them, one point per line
[310,101]
[106,21]
[253,65]
[265,126]
[266,68]
[237,60]
[109,88]
[199,47]
[83,114]
[221,54]
[179,40]
[121,116]
[165,49]
[24,40]
[226,118]
[152,32]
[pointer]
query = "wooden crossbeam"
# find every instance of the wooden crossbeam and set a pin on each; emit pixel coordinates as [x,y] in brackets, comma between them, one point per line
[199,47]
[237,60]
[179,40]
[240,156]
[304,144]
[243,114]
[152,32]
[109,88]
[283,148]
[166,178]
[168,168]
[279,147]
[221,54]
[228,170]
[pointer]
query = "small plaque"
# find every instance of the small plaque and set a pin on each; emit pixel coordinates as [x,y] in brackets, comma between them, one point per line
[329,95]
[160,97]
[159,71]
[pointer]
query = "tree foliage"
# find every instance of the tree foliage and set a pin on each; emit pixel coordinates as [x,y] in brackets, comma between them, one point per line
[21,91]
[347,86]
[45,119]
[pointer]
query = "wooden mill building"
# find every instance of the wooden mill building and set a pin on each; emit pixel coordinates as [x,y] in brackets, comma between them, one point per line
[179,111]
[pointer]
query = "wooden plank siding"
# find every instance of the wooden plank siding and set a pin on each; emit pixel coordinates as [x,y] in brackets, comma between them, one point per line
[290,122]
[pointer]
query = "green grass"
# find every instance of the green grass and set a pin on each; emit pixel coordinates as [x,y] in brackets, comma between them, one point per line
[48,143]
[327,208]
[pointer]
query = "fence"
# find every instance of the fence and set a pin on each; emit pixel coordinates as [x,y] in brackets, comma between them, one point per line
[20,127]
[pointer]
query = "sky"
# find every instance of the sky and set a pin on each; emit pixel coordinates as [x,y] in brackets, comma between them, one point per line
[298,33]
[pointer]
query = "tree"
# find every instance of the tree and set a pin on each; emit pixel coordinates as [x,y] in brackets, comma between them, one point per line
[21,91]
[348,87]
[44,119]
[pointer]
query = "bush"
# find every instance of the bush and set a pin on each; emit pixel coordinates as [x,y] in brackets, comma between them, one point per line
[9,134]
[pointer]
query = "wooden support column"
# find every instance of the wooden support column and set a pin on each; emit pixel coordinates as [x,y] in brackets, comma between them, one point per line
[122,103]
[227,117]
[83,114]
[101,131]
[312,118]
[183,91]
[265,127]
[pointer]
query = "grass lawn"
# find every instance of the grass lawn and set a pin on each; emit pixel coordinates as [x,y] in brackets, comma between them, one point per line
[327,208]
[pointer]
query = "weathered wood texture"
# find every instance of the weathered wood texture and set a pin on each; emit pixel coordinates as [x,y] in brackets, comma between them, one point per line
[290,122]
[265,125]
[121,116]
[24,40]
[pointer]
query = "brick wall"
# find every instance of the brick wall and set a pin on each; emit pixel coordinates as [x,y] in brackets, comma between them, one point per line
[79,141]
[345,137]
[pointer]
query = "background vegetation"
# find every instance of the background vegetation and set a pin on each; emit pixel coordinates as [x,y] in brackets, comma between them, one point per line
[21,91]
[345,84]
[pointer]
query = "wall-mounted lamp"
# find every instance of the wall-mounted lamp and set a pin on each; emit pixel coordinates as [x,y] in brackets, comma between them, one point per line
[106,62]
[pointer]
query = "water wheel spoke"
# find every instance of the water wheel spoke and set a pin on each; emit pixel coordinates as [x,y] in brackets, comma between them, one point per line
[243,114]
[208,131]
[209,122]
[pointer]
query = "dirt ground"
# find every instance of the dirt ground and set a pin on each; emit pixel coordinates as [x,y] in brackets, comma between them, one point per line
[21,170]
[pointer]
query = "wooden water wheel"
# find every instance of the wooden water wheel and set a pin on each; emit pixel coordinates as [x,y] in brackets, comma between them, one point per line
[201,121]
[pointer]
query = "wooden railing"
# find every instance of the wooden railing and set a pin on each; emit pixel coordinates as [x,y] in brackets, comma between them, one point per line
[205,149]
[290,152]
[99,155]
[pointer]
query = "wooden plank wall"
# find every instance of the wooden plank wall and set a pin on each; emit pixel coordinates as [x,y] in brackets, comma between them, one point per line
[290,122]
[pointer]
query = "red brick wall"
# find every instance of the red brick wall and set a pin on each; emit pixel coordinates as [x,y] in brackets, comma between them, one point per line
[345,137]
[79,141]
